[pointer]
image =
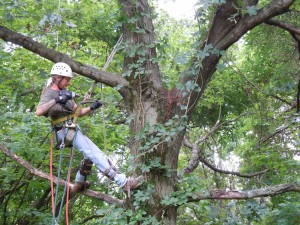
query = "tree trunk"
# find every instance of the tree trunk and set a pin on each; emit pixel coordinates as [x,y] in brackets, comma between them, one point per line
[149,104]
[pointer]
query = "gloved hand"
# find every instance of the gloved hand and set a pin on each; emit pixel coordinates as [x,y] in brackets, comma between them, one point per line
[96,104]
[63,98]
[70,94]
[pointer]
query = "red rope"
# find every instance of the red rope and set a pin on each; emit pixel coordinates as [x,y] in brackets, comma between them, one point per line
[51,173]
[68,192]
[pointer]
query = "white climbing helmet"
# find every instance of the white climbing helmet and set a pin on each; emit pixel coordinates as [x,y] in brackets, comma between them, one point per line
[61,69]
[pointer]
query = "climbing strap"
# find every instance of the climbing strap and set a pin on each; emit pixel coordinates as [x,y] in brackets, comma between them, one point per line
[68,127]
[107,171]
[111,167]
[85,167]
[71,119]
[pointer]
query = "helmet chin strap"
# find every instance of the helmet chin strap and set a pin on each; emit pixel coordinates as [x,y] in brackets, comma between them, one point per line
[57,82]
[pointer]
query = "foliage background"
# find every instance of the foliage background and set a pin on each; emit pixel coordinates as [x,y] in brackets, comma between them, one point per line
[256,84]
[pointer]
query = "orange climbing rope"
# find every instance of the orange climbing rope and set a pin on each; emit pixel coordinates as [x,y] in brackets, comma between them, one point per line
[68,191]
[51,173]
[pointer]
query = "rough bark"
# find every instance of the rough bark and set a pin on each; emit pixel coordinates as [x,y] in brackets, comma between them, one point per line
[147,103]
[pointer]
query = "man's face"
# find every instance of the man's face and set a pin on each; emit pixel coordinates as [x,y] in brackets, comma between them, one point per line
[64,83]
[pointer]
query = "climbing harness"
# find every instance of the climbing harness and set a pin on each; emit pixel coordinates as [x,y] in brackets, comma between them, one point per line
[67,125]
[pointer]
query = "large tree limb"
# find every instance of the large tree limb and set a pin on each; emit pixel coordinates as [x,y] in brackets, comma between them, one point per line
[256,193]
[226,33]
[283,25]
[93,73]
[248,22]
[293,30]
[98,195]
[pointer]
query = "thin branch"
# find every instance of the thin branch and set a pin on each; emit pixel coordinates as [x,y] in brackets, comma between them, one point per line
[30,91]
[297,39]
[90,218]
[194,161]
[216,127]
[41,201]
[98,195]
[278,131]
[259,89]
[194,158]
[256,193]
[120,121]
[205,162]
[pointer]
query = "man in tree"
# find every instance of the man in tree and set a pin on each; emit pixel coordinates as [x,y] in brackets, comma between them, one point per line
[57,102]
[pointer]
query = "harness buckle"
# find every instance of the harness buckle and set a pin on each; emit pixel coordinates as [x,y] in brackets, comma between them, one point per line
[62,145]
[69,123]
[72,125]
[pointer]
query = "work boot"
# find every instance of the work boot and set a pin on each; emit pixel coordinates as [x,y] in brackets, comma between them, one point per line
[80,186]
[132,183]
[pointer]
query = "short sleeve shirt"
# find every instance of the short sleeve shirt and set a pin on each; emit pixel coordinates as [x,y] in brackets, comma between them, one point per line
[58,110]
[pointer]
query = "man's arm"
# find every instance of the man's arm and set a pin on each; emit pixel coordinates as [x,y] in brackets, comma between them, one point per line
[43,109]
[96,104]
[84,111]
